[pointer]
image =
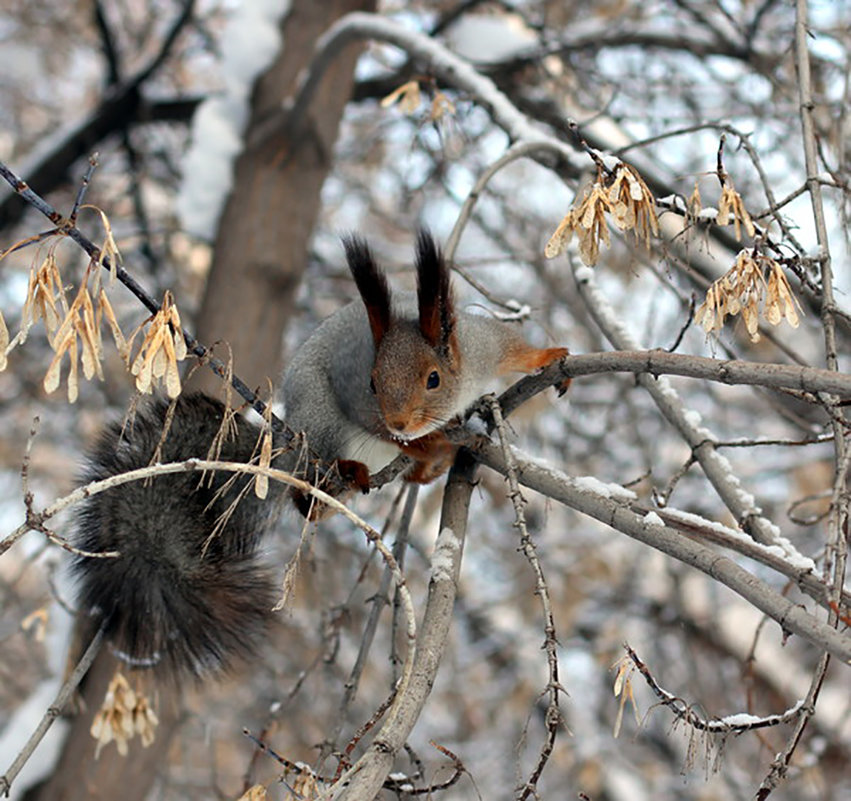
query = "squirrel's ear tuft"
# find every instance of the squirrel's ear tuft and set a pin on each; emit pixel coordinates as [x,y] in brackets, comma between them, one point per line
[434,293]
[371,284]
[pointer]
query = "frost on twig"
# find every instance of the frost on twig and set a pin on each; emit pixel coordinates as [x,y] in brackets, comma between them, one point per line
[714,731]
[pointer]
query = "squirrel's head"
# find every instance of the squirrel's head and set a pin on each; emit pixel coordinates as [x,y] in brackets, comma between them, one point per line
[414,376]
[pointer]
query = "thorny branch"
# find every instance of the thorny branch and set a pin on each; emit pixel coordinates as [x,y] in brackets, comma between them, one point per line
[724,726]
[527,546]
[406,784]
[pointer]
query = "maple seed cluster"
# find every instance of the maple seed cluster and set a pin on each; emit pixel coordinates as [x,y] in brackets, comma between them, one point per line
[409,97]
[620,193]
[754,280]
[123,714]
[754,283]
[732,207]
[75,330]
[161,350]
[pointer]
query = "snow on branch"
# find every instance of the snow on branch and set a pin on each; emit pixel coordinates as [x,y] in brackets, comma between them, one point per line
[729,724]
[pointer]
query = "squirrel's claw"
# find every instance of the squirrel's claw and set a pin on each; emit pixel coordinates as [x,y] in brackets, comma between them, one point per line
[563,386]
[354,473]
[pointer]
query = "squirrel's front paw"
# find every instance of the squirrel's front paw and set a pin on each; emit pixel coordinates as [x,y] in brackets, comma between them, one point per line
[433,455]
[354,473]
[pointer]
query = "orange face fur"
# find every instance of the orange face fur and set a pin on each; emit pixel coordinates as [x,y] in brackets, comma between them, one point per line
[410,393]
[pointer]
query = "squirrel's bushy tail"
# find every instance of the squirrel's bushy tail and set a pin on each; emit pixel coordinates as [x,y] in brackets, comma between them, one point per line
[188,591]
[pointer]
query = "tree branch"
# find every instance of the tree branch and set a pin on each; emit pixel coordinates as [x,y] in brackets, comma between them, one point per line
[365,778]
[614,512]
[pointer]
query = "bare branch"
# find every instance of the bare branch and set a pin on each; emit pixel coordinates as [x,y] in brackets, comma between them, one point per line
[729,724]
[554,720]
[699,438]
[445,65]
[363,780]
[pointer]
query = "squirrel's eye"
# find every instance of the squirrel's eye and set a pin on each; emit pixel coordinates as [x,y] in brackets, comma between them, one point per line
[433,380]
[372,385]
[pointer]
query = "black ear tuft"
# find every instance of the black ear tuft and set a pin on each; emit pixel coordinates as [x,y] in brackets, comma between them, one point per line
[434,292]
[371,284]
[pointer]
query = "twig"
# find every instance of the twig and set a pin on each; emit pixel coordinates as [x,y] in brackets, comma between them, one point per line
[661,496]
[25,464]
[780,764]
[379,601]
[726,725]
[836,551]
[553,718]
[84,185]
[516,151]
[180,22]
[403,784]
[442,63]
[363,729]
[717,470]
[397,783]
[685,326]
[364,779]
[108,45]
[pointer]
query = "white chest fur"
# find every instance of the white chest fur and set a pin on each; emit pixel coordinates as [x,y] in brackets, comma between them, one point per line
[361,446]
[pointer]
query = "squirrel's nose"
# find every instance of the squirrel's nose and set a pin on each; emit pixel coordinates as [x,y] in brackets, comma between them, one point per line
[396,423]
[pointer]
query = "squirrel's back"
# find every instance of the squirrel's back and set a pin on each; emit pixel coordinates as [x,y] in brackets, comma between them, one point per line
[188,590]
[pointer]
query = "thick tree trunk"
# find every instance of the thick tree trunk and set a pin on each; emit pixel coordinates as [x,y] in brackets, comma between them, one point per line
[262,244]
[260,255]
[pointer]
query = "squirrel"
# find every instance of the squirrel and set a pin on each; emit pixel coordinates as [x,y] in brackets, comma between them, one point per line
[188,592]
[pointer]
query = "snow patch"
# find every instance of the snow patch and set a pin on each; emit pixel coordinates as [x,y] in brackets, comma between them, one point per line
[583,274]
[652,519]
[597,487]
[444,557]
[482,38]
[693,418]
[782,549]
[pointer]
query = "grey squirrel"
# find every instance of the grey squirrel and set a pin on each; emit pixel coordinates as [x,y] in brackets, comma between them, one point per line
[189,592]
